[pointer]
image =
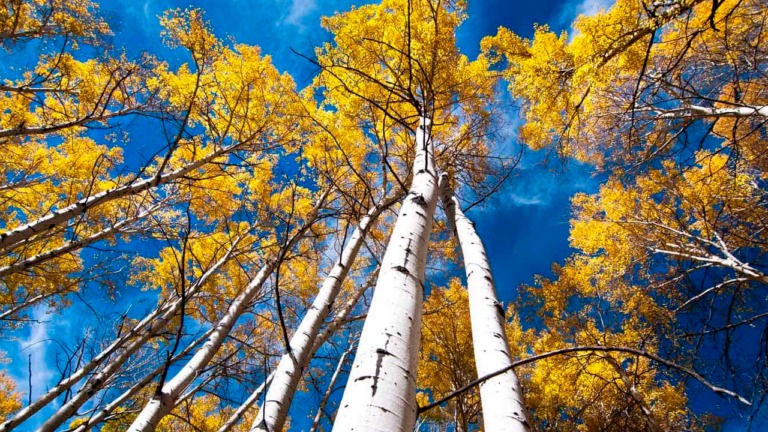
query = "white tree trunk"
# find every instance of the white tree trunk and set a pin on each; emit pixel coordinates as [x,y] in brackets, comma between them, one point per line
[144,330]
[141,333]
[76,244]
[381,390]
[338,320]
[701,111]
[102,414]
[341,316]
[16,237]
[501,397]
[240,411]
[291,367]
[162,404]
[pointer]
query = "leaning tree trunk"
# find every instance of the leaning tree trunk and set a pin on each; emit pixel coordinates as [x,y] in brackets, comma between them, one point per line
[246,405]
[18,236]
[501,397]
[338,320]
[329,390]
[162,403]
[103,414]
[279,396]
[147,329]
[135,338]
[381,388]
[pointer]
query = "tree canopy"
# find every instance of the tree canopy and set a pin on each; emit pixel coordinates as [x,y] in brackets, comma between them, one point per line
[243,250]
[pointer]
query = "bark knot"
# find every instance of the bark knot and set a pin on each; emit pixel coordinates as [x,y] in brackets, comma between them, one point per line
[402,269]
[419,200]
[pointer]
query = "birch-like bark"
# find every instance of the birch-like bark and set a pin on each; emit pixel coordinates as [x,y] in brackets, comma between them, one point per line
[145,329]
[329,390]
[701,111]
[102,414]
[162,404]
[279,396]
[338,320]
[501,397]
[341,316]
[15,237]
[156,325]
[73,245]
[381,390]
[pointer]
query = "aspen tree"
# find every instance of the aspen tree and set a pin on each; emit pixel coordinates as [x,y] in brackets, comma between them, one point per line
[501,397]
[381,388]
[425,79]
[164,401]
[289,371]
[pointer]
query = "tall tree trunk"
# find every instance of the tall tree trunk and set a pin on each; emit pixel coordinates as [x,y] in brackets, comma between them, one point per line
[137,337]
[110,231]
[18,236]
[103,414]
[162,403]
[381,389]
[501,397]
[338,320]
[291,367]
[240,411]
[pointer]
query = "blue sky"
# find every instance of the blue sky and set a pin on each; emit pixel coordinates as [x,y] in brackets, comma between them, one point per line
[525,227]
[531,212]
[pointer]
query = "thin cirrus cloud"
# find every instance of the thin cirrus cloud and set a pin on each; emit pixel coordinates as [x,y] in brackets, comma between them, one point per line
[571,10]
[33,355]
[298,11]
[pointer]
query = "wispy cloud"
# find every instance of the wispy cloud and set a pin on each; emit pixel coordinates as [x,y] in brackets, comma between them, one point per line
[35,349]
[571,10]
[297,12]
[145,15]
[591,7]
[530,200]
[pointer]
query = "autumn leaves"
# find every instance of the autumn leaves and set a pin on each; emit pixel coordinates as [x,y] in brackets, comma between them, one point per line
[261,209]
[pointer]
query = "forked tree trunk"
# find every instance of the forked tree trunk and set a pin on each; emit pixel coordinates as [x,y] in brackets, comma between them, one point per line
[279,396]
[381,390]
[501,397]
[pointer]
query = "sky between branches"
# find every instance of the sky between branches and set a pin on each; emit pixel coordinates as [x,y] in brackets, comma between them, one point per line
[531,211]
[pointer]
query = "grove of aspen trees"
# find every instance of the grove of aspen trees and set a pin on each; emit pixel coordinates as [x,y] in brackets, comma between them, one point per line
[223,246]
